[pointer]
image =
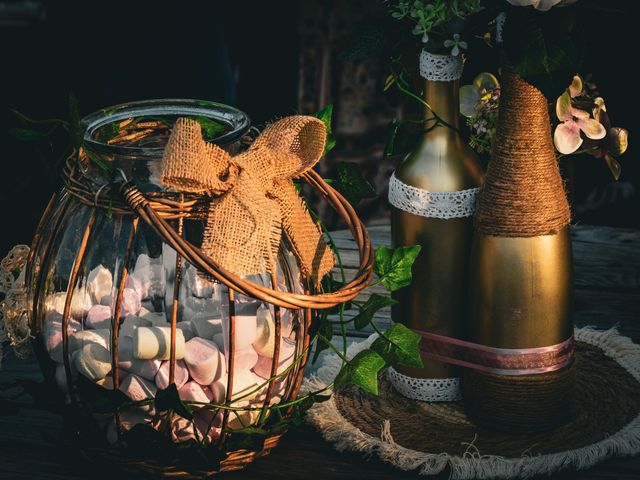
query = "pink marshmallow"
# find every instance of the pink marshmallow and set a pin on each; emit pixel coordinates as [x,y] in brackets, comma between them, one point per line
[98,316]
[180,377]
[192,392]
[130,302]
[285,358]
[137,388]
[146,369]
[204,360]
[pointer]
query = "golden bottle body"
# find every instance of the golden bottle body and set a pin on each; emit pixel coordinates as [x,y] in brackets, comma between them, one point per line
[436,300]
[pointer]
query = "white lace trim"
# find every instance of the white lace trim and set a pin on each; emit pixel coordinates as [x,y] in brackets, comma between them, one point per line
[431,204]
[426,389]
[441,68]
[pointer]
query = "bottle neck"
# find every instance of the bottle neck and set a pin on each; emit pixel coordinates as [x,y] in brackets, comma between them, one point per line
[443,97]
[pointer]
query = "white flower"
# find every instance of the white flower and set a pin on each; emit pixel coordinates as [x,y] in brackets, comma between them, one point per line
[456,43]
[542,5]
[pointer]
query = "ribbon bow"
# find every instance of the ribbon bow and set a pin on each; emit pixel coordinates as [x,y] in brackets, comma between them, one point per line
[254,198]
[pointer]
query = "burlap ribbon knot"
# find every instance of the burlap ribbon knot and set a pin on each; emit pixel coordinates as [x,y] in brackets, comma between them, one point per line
[253,196]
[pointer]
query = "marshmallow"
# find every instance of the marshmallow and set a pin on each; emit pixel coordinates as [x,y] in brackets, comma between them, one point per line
[99,283]
[242,418]
[149,272]
[106,382]
[80,303]
[157,319]
[245,326]
[130,323]
[218,391]
[93,361]
[138,389]
[204,360]
[52,333]
[130,302]
[219,340]
[245,386]
[285,359]
[129,417]
[205,326]
[187,330]
[182,429]
[196,284]
[98,316]
[266,331]
[100,336]
[151,343]
[180,377]
[192,392]
[126,361]
[244,360]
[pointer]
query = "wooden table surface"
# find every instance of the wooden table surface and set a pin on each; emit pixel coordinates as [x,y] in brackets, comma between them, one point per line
[607,273]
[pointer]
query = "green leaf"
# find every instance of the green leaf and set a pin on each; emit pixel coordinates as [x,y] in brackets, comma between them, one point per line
[98,161]
[26,135]
[169,399]
[361,371]
[352,184]
[210,128]
[107,132]
[393,265]
[399,346]
[546,48]
[325,115]
[100,399]
[374,303]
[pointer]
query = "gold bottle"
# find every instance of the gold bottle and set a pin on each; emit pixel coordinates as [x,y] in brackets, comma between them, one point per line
[436,301]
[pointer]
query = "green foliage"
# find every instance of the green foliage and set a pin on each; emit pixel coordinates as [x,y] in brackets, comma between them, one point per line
[169,399]
[546,48]
[26,135]
[393,265]
[210,128]
[362,371]
[325,115]
[399,346]
[352,184]
[374,303]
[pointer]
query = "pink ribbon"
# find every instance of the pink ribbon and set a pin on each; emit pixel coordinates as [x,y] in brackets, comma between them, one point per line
[499,361]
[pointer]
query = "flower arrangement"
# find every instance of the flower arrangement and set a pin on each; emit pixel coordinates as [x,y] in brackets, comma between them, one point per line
[579,118]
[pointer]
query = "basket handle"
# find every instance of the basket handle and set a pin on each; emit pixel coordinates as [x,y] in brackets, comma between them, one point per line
[199,259]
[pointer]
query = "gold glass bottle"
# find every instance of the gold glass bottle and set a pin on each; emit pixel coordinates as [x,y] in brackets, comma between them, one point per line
[432,196]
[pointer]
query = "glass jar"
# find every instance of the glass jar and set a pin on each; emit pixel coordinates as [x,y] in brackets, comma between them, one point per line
[105,289]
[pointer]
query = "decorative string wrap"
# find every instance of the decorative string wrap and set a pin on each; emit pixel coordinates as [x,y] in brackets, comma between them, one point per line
[440,68]
[428,204]
[255,189]
[523,193]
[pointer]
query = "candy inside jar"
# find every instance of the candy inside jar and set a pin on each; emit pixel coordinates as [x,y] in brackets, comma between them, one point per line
[204,343]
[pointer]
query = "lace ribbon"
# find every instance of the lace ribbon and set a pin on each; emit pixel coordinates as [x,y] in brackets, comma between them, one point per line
[440,68]
[431,204]
[426,389]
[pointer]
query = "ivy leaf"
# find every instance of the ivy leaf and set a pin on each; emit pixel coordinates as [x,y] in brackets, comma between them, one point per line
[361,371]
[374,303]
[401,346]
[210,128]
[352,184]
[325,115]
[25,134]
[393,265]
[100,399]
[546,48]
[169,399]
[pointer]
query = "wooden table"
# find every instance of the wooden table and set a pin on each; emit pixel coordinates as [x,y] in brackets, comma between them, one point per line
[607,268]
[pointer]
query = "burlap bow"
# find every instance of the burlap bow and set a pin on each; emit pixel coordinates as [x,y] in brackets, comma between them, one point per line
[253,196]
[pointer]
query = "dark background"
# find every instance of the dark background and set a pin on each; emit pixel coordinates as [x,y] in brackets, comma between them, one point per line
[243,53]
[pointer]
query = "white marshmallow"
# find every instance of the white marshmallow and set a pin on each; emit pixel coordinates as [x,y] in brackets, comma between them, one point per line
[150,273]
[100,336]
[157,319]
[180,377]
[205,326]
[204,360]
[245,387]
[99,283]
[130,323]
[52,332]
[93,361]
[266,331]
[80,303]
[98,316]
[196,284]
[193,392]
[151,343]
[130,302]
[126,361]
[244,360]
[187,330]
[243,418]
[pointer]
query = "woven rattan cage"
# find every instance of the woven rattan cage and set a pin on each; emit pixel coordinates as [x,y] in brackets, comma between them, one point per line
[134,210]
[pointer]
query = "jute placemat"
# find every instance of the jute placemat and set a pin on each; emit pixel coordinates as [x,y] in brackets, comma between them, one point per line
[432,437]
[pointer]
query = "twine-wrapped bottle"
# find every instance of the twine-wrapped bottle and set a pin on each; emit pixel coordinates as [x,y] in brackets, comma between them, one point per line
[521,271]
[432,194]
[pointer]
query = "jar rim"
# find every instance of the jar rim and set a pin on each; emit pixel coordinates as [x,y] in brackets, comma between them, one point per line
[237,121]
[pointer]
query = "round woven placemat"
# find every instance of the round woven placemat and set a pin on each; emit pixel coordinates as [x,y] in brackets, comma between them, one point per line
[431,437]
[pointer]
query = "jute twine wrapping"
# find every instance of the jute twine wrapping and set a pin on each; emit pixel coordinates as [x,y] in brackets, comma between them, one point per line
[523,193]
[254,199]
